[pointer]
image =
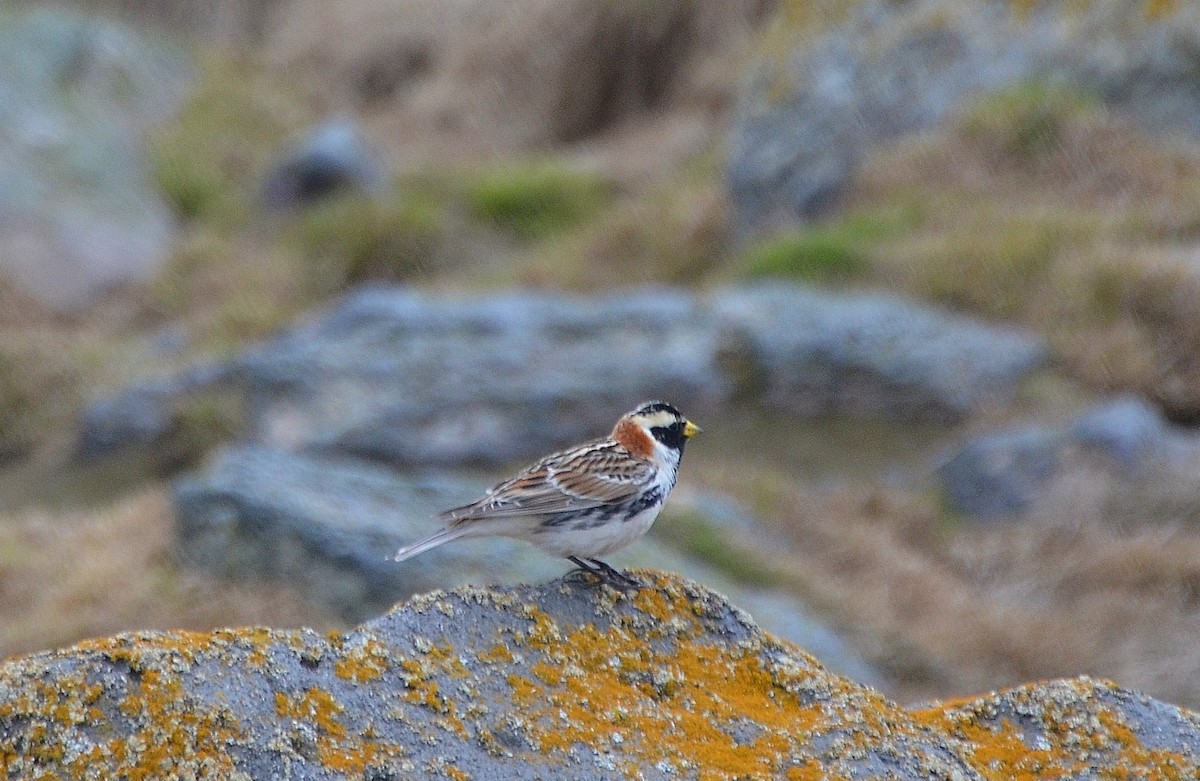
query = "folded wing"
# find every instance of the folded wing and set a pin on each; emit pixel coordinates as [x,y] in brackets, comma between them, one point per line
[590,476]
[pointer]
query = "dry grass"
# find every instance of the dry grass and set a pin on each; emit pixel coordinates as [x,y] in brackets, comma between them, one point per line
[671,237]
[485,76]
[1098,580]
[1073,225]
[65,577]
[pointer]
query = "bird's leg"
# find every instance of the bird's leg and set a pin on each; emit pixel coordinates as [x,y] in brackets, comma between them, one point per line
[613,576]
[581,568]
[603,573]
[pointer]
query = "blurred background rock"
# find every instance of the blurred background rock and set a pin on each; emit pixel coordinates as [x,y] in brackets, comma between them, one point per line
[280,279]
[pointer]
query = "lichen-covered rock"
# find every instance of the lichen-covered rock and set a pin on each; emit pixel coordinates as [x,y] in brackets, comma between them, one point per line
[561,681]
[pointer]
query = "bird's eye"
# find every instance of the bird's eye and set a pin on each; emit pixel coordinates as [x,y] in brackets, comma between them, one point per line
[672,435]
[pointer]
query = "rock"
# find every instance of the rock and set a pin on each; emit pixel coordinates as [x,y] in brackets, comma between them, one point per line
[521,373]
[810,114]
[555,681]
[1086,727]
[1128,430]
[1004,474]
[333,158]
[789,619]
[821,353]
[1000,475]
[409,379]
[78,208]
[329,526]
[146,414]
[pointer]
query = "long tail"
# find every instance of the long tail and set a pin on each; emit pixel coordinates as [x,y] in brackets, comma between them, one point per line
[432,541]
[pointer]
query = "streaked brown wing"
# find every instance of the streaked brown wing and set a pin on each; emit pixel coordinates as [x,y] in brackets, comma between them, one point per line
[589,476]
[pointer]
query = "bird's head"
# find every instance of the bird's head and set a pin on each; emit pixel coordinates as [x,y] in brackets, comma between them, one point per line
[654,425]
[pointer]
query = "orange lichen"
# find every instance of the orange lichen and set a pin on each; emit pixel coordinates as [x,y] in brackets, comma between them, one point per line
[1073,739]
[167,726]
[666,675]
[420,690]
[597,688]
[497,654]
[362,663]
[337,748]
[547,673]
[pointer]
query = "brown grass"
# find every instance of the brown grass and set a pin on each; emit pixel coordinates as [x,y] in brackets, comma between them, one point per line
[66,577]
[474,74]
[673,237]
[1099,579]
[1078,236]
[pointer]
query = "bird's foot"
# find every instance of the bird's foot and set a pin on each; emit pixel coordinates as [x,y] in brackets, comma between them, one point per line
[603,574]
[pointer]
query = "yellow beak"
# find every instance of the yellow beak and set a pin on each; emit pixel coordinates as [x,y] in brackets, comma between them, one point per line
[690,429]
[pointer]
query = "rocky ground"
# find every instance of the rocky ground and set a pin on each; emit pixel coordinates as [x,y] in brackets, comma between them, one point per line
[564,680]
[288,277]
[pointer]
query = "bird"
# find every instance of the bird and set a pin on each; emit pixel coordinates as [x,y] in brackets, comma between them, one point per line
[583,502]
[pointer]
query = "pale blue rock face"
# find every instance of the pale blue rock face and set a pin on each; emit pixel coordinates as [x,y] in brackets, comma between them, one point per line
[78,206]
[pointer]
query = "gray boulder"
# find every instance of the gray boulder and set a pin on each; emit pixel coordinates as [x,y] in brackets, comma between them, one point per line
[561,681]
[332,158]
[810,115]
[147,414]
[416,380]
[406,378]
[1126,440]
[1129,431]
[330,525]
[819,353]
[1000,475]
[78,209]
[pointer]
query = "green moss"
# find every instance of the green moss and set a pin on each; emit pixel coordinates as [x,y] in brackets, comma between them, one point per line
[208,161]
[1029,120]
[204,419]
[536,200]
[355,238]
[829,251]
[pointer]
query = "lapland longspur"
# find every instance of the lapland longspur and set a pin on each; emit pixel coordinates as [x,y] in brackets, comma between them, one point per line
[583,502]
